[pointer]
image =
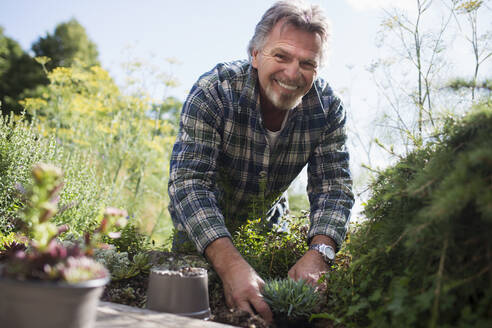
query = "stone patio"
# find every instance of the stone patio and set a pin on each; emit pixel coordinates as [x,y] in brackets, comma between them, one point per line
[112,315]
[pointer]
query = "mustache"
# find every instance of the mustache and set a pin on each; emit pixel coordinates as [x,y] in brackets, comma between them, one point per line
[300,83]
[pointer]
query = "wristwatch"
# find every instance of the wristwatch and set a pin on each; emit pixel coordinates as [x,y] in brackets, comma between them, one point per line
[326,251]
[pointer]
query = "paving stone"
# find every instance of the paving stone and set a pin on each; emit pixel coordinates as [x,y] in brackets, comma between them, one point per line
[112,315]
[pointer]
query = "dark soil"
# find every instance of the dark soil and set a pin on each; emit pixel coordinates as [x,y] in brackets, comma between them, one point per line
[238,318]
[133,292]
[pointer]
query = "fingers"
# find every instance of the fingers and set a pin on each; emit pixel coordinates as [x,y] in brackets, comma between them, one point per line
[299,274]
[251,302]
[229,301]
[242,289]
[244,305]
[262,309]
[310,267]
[254,305]
[312,279]
[293,274]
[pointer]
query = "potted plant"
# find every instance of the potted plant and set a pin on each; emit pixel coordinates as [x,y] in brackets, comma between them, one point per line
[45,283]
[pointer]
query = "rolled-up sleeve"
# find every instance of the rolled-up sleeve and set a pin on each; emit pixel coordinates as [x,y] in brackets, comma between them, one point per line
[329,180]
[192,190]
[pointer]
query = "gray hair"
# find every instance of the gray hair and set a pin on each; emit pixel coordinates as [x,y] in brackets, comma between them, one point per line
[307,17]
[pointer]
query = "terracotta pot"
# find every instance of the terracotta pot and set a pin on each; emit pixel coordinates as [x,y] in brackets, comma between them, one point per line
[25,304]
[183,292]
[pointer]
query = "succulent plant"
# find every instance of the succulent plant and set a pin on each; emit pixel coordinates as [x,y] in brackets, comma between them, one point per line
[290,299]
[120,265]
[10,248]
[44,257]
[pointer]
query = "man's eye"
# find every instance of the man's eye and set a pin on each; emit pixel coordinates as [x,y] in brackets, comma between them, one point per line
[279,56]
[309,65]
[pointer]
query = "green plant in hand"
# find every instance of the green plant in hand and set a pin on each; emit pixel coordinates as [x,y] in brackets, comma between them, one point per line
[291,300]
[45,258]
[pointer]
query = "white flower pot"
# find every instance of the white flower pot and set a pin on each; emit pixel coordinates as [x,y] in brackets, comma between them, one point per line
[183,292]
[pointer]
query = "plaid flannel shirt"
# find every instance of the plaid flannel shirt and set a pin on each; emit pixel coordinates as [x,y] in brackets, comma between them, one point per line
[222,167]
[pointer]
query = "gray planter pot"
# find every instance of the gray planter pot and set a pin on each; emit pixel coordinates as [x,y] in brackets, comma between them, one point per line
[25,304]
[183,292]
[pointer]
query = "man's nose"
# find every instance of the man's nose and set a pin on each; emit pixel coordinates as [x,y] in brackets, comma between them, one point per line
[292,70]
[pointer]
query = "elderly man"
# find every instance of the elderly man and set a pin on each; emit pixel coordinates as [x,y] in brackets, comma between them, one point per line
[247,129]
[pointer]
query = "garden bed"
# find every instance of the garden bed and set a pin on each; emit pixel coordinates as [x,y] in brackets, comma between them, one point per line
[132,291]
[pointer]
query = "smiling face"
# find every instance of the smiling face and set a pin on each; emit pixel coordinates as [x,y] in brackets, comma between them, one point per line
[287,65]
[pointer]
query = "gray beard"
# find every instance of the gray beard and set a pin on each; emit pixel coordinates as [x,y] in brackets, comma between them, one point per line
[282,103]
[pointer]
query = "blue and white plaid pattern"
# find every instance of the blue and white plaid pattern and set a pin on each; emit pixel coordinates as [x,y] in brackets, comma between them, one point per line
[222,165]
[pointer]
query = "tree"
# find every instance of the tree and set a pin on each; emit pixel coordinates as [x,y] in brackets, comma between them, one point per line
[20,75]
[18,71]
[69,43]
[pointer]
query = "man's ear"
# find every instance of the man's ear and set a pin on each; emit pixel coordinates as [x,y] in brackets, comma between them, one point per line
[254,58]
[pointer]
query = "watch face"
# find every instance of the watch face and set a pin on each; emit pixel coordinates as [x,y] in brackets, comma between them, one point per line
[326,250]
[330,253]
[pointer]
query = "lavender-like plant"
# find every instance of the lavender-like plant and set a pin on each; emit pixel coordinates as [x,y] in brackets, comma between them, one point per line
[291,300]
[45,258]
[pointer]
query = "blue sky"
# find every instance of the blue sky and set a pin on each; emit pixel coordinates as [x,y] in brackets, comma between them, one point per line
[200,34]
[197,33]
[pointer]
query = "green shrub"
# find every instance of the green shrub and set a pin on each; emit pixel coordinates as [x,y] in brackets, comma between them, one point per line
[423,258]
[84,110]
[272,252]
[83,196]
[131,241]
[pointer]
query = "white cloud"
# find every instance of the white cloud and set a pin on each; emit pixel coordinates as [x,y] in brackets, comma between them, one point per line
[376,4]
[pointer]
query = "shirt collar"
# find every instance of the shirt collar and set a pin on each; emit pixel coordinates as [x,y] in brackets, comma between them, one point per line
[249,97]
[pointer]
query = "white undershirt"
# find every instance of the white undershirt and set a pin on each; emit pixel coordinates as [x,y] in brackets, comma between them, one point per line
[272,136]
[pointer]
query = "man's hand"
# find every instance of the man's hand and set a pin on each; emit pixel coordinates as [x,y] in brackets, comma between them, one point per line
[241,283]
[311,266]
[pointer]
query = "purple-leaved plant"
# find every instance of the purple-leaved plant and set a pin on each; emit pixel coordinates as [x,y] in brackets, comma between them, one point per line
[44,257]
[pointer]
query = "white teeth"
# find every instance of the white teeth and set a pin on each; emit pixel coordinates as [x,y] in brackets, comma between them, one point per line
[286,86]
